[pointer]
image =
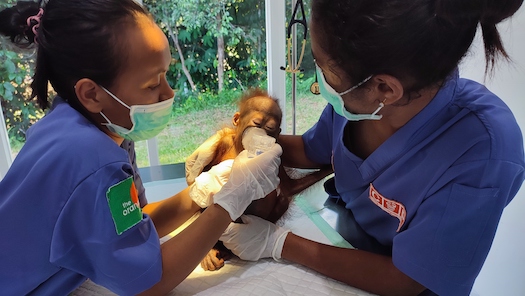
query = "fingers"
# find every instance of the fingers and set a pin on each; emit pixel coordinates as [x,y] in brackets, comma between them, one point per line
[201,157]
[272,155]
[250,179]
[211,261]
[243,155]
[276,150]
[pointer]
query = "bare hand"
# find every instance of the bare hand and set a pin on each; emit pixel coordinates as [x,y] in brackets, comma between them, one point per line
[212,261]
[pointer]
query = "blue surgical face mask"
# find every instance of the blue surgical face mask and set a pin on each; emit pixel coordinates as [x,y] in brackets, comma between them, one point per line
[148,120]
[336,100]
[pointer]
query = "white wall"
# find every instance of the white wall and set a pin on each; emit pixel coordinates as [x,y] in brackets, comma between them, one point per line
[504,270]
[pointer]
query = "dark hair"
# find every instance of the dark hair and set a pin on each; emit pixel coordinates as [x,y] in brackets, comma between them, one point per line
[418,41]
[76,39]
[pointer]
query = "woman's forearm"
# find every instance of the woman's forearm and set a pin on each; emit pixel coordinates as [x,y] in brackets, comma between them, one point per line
[182,253]
[294,154]
[172,212]
[364,270]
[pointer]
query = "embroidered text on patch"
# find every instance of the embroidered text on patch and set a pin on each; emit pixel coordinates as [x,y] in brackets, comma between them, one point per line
[124,205]
[394,208]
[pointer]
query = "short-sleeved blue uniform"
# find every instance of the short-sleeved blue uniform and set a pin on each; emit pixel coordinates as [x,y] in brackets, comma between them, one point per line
[56,226]
[435,190]
[129,146]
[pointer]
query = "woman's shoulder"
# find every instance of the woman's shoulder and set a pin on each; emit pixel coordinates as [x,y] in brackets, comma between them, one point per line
[493,116]
[66,134]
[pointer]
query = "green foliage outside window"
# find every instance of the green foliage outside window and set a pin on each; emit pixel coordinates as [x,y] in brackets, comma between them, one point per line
[200,33]
[15,79]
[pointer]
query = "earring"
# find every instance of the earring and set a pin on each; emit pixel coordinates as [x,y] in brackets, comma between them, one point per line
[381,105]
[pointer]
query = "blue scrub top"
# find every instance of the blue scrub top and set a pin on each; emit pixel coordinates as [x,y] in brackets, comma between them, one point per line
[435,190]
[56,225]
[129,146]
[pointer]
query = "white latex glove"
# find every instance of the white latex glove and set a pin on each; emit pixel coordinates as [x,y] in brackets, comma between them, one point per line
[250,179]
[255,239]
[201,157]
[210,182]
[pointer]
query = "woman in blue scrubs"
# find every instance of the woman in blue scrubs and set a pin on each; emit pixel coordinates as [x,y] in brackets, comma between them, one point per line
[424,160]
[69,205]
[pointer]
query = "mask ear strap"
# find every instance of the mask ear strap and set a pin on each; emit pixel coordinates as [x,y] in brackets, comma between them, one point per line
[355,86]
[381,105]
[107,119]
[115,97]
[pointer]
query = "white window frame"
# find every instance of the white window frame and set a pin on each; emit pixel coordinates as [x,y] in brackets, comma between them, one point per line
[6,158]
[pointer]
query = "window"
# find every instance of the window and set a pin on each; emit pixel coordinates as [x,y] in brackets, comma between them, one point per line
[200,108]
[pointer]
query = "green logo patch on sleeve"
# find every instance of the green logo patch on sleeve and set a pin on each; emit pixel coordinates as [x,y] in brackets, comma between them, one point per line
[124,205]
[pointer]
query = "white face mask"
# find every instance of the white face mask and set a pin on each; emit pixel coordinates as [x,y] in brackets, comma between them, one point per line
[148,120]
[335,99]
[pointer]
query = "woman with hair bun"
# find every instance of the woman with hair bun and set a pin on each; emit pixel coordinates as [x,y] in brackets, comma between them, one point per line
[69,205]
[424,161]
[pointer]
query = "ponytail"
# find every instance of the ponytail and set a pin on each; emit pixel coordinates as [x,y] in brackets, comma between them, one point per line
[39,85]
[495,12]
[488,13]
[20,23]
[75,39]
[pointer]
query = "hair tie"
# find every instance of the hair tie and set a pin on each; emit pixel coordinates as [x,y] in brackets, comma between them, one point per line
[35,18]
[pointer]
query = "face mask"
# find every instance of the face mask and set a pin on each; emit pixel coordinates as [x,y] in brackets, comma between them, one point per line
[335,99]
[148,120]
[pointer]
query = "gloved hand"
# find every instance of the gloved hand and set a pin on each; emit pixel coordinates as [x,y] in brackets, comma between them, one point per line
[210,182]
[255,239]
[250,179]
[201,157]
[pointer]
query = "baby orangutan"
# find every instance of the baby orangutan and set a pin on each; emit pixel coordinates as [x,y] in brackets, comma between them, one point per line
[256,109]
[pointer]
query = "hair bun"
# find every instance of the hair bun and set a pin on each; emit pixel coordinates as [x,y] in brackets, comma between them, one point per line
[496,11]
[488,12]
[13,22]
